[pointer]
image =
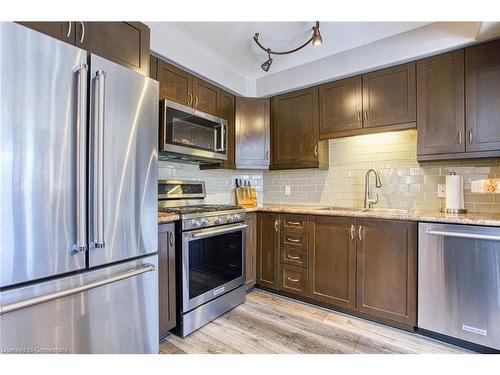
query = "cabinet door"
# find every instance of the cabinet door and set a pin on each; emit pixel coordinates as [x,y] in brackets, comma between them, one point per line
[332,261]
[252,133]
[340,106]
[175,84]
[64,31]
[295,130]
[440,98]
[251,249]
[206,96]
[125,43]
[482,72]
[166,271]
[267,250]
[389,96]
[386,270]
[227,112]
[153,67]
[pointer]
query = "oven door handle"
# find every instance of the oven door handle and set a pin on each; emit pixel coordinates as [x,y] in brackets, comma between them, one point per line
[210,232]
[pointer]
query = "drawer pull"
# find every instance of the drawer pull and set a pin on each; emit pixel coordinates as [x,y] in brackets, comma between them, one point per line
[293,280]
[293,222]
[292,240]
[293,257]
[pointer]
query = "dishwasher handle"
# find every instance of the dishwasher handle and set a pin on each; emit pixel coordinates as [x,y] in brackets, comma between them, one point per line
[475,236]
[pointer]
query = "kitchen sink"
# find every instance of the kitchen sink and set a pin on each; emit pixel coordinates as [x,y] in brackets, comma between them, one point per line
[389,211]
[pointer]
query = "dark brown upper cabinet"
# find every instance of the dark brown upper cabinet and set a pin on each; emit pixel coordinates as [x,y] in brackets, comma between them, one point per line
[440,104]
[482,82]
[64,31]
[389,96]
[184,88]
[386,270]
[125,43]
[175,83]
[252,133]
[153,67]
[268,237]
[340,106]
[205,96]
[332,264]
[295,131]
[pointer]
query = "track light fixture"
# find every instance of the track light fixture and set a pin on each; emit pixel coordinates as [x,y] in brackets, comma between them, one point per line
[315,39]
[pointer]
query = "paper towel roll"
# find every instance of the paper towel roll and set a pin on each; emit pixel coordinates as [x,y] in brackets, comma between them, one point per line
[455,192]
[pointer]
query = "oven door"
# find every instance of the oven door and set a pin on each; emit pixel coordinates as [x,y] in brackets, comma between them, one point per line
[213,262]
[187,131]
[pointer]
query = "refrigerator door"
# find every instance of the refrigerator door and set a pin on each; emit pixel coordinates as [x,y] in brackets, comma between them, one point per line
[43,95]
[123,163]
[110,310]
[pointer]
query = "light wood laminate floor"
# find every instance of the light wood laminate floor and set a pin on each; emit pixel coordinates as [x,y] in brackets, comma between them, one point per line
[268,323]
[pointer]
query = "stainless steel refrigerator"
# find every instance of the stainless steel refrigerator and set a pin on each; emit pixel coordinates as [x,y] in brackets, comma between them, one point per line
[78,200]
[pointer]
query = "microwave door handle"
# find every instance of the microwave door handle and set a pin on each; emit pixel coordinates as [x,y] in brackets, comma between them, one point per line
[98,162]
[216,139]
[223,138]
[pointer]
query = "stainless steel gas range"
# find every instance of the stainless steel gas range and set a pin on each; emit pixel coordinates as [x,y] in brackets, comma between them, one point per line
[210,253]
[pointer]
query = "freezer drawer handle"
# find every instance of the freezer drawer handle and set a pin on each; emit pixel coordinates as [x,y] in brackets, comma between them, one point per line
[98,162]
[64,293]
[464,235]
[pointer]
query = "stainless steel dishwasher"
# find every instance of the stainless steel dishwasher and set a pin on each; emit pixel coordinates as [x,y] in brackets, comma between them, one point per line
[459,282]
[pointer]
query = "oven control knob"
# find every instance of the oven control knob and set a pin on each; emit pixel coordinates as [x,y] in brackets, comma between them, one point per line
[205,222]
[230,219]
[218,220]
[196,223]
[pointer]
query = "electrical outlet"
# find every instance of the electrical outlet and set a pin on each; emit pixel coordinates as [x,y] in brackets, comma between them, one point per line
[288,189]
[441,191]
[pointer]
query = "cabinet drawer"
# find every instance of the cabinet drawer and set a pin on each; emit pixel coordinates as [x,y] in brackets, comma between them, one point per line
[296,223]
[295,240]
[294,279]
[294,256]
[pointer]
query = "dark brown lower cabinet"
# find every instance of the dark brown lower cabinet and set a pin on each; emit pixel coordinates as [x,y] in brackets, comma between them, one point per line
[332,264]
[363,266]
[251,249]
[386,270]
[166,270]
[268,250]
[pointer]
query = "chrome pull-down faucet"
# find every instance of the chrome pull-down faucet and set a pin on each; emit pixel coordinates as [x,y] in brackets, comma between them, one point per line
[368,199]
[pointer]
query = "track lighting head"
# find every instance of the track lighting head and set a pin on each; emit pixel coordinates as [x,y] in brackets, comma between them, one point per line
[316,38]
[267,64]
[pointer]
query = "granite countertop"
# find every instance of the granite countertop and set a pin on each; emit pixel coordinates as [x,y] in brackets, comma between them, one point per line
[164,217]
[472,218]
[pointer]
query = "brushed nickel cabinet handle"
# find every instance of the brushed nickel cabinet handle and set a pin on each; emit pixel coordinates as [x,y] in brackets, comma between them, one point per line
[459,137]
[292,240]
[276,225]
[366,115]
[316,151]
[360,229]
[352,231]
[82,37]
[190,98]
[294,257]
[195,101]
[293,223]
[69,30]
[470,136]
[293,280]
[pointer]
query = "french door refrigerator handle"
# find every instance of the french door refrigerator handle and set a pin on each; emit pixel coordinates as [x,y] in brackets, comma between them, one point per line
[98,162]
[81,159]
[79,289]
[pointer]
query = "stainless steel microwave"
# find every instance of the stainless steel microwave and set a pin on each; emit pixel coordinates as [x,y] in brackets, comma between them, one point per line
[191,136]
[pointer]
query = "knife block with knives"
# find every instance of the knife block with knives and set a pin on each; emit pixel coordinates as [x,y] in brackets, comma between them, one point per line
[246,195]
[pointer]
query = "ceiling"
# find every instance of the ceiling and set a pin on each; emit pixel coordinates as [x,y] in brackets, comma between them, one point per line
[226,53]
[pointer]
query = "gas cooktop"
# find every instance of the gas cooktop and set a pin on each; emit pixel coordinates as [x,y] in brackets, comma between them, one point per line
[202,208]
